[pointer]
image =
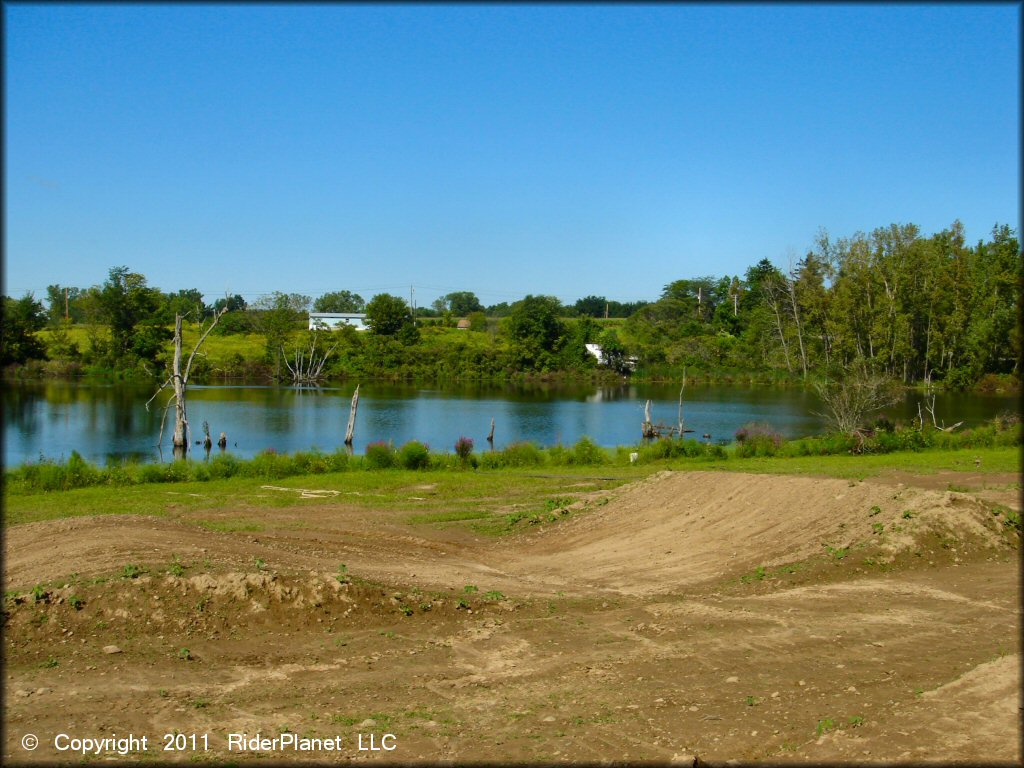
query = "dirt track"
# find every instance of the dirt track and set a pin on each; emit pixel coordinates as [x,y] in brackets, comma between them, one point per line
[723,615]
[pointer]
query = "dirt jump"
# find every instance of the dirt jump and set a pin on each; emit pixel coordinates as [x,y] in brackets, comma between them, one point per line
[688,617]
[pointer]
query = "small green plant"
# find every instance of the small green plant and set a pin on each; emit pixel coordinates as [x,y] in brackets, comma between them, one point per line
[131,571]
[758,575]
[405,609]
[875,510]
[494,595]
[837,552]
[470,589]
[907,514]
[176,568]
[76,602]
[199,703]
[39,593]
[388,634]
[751,701]
[463,603]
[824,726]
[426,607]
[185,654]
[163,693]
[342,575]
[202,603]
[877,527]
[50,663]
[855,720]
[260,564]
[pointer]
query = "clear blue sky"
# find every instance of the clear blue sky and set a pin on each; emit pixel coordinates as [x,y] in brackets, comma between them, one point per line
[567,150]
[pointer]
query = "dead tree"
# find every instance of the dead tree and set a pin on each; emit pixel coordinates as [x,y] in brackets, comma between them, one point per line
[179,381]
[308,367]
[352,417]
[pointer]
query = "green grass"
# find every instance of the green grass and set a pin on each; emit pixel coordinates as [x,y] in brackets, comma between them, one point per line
[231,526]
[496,500]
[1006,459]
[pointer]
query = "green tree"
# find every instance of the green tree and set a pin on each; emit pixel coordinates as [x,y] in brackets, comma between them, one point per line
[339,301]
[63,300]
[19,323]
[388,315]
[535,331]
[126,302]
[277,316]
[459,303]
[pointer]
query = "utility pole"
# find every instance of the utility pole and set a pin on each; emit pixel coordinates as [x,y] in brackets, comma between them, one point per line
[735,297]
[412,304]
[65,303]
[606,310]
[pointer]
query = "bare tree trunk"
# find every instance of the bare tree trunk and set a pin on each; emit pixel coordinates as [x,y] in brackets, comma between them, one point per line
[180,438]
[490,435]
[352,417]
[178,380]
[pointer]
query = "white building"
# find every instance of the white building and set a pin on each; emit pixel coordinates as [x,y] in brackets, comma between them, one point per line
[332,321]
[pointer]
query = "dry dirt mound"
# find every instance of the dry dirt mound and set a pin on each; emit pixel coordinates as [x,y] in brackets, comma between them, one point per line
[682,528]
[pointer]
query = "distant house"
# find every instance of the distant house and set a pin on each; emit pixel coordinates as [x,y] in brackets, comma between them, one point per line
[596,351]
[332,321]
[464,324]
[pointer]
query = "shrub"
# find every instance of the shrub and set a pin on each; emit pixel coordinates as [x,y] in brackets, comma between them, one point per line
[269,464]
[414,455]
[588,453]
[757,439]
[464,448]
[223,466]
[522,454]
[379,455]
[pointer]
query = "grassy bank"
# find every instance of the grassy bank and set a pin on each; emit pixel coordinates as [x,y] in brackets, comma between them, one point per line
[387,477]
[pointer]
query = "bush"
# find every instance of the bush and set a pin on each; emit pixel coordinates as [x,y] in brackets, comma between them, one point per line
[414,455]
[223,465]
[379,455]
[522,454]
[757,439]
[588,453]
[464,448]
[270,465]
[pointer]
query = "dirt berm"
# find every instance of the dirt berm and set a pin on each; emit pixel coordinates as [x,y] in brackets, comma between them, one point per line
[728,616]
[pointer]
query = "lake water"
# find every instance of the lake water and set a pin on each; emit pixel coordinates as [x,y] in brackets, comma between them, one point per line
[50,419]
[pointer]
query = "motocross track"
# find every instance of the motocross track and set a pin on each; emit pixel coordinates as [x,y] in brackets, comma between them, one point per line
[718,615]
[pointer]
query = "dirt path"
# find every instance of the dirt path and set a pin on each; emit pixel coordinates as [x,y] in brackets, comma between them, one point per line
[715,614]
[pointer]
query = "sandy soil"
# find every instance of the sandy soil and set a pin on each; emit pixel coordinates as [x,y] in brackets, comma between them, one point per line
[716,615]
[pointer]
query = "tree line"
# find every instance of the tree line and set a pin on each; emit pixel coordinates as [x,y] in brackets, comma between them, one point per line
[892,301]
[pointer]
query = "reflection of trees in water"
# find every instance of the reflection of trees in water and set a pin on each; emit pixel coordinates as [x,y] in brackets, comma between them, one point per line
[20,408]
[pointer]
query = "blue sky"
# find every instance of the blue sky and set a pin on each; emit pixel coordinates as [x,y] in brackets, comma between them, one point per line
[506,150]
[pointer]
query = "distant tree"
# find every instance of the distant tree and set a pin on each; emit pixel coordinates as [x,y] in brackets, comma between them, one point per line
[276,316]
[233,303]
[18,325]
[461,303]
[502,309]
[592,306]
[187,302]
[477,321]
[63,300]
[388,315]
[339,301]
[535,330]
[126,302]
[614,352]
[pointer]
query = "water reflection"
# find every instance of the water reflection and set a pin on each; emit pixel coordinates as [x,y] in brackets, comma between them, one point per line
[110,422]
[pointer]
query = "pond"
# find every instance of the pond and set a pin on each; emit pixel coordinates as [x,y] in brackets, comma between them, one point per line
[103,422]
